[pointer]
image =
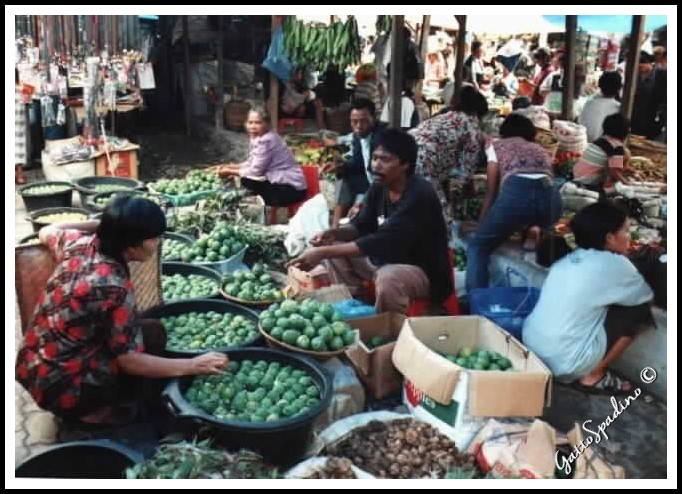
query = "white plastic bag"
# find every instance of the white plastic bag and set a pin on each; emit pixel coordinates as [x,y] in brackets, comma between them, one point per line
[311,218]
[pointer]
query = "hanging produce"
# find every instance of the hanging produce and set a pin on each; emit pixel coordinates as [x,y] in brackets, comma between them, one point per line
[310,45]
[383,24]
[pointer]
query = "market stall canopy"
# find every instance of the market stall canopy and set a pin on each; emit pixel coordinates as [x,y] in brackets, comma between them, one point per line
[512,24]
[610,23]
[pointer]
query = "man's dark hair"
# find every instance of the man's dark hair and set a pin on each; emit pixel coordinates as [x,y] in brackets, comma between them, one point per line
[617,126]
[401,144]
[592,223]
[543,55]
[475,46]
[610,84]
[363,104]
[471,102]
[516,125]
[520,102]
[126,222]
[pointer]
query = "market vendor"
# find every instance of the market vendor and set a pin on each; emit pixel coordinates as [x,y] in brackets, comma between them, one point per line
[399,238]
[86,351]
[299,100]
[592,304]
[603,163]
[355,174]
[452,140]
[519,195]
[602,105]
[270,171]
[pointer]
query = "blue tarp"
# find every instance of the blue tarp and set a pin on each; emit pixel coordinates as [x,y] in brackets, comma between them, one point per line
[610,23]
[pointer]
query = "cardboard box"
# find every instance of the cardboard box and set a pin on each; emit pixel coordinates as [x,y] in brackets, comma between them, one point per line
[374,366]
[455,399]
[308,281]
[124,163]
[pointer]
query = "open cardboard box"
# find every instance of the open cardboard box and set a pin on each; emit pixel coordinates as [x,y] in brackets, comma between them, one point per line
[374,366]
[454,398]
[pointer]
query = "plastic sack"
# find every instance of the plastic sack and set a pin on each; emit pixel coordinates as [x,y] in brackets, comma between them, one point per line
[352,309]
[277,60]
[311,218]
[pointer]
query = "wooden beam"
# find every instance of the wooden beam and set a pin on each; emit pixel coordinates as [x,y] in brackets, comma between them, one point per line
[188,81]
[220,89]
[459,56]
[569,68]
[396,78]
[423,49]
[632,66]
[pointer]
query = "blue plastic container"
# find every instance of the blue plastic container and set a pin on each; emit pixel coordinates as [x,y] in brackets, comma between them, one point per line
[507,307]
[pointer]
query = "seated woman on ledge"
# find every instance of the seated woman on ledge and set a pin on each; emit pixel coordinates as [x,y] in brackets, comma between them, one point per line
[270,171]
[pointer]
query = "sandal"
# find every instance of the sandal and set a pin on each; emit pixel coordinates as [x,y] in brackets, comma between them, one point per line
[609,384]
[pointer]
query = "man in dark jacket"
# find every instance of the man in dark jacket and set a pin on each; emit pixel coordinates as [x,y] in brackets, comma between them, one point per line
[356,174]
[399,239]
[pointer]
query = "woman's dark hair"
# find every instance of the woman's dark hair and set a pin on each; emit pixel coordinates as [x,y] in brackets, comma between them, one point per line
[471,102]
[592,223]
[401,144]
[520,102]
[610,83]
[126,222]
[550,249]
[363,104]
[617,126]
[516,125]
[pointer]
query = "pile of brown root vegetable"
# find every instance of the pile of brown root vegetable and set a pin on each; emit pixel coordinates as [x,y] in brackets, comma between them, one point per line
[403,449]
[335,468]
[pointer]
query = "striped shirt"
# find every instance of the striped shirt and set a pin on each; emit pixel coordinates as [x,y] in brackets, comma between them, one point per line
[601,155]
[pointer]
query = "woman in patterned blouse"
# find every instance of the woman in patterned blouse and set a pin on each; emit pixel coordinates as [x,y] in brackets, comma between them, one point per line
[452,140]
[85,348]
[519,194]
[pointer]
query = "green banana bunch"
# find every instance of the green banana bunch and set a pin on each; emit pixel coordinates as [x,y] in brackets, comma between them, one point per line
[320,47]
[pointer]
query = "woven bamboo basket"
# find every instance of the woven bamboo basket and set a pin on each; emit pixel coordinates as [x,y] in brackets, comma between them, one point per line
[34,265]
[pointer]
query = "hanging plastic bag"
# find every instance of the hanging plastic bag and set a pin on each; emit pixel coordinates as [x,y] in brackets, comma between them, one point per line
[277,60]
[311,218]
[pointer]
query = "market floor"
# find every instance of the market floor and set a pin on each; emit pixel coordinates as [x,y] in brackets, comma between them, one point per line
[637,438]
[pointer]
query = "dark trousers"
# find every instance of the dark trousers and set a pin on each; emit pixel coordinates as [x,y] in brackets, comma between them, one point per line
[522,202]
[274,194]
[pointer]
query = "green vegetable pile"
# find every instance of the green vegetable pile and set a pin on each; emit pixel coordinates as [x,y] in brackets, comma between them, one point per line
[255,392]
[208,331]
[252,286]
[480,360]
[197,460]
[44,190]
[309,325]
[181,287]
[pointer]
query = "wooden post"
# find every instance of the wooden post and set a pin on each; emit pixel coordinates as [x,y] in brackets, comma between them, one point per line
[632,66]
[188,82]
[569,68]
[220,89]
[423,49]
[396,78]
[274,83]
[459,56]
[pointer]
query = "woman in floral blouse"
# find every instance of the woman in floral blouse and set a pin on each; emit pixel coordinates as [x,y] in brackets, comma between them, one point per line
[451,141]
[519,194]
[85,336]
